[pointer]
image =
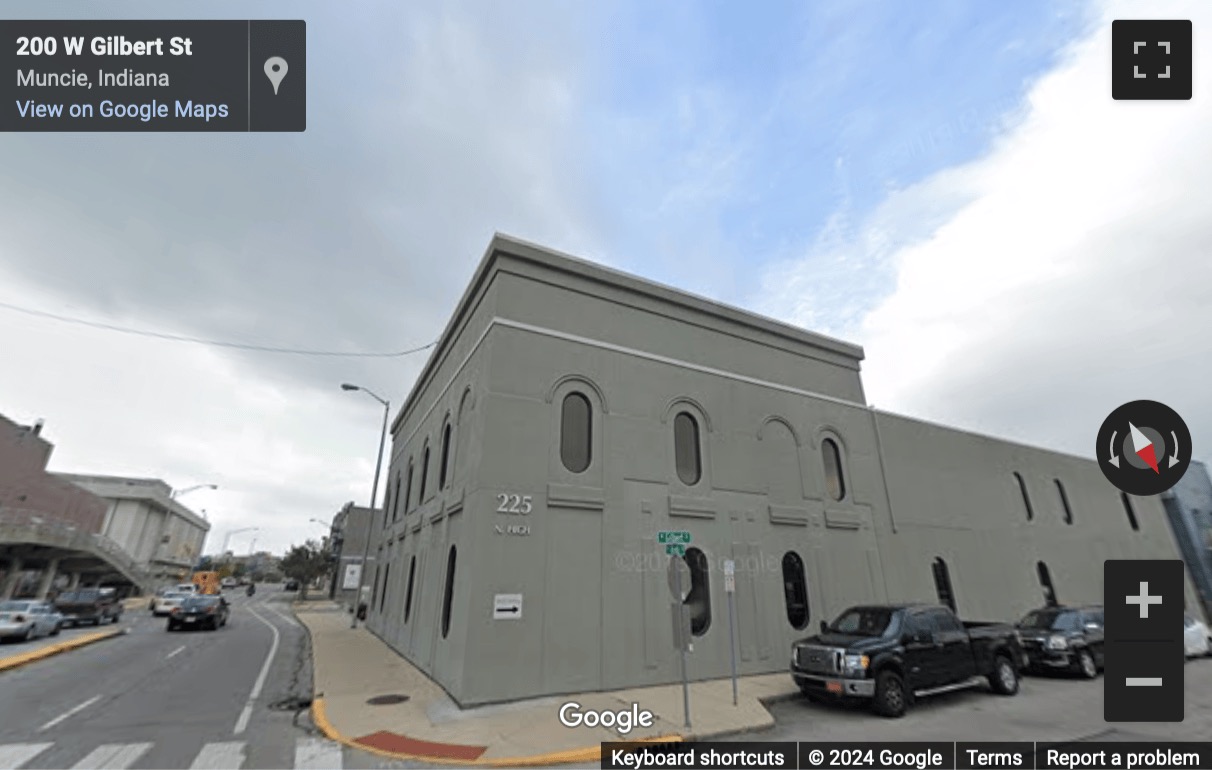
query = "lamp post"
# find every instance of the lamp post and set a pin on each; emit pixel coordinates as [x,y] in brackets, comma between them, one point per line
[227,537]
[374,491]
[179,492]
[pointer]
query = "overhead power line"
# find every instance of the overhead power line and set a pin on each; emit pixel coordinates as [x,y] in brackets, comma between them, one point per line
[203,341]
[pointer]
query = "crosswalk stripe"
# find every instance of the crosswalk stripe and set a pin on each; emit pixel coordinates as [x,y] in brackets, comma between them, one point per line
[15,755]
[220,756]
[113,756]
[317,754]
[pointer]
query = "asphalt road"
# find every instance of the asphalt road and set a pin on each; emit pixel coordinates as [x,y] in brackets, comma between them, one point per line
[1047,708]
[153,699]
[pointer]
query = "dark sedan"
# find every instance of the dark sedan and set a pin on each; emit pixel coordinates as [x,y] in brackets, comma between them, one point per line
[208,612]
[1064,639]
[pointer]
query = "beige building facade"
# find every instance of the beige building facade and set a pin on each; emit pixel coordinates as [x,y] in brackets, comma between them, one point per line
[570,413]
[159,533]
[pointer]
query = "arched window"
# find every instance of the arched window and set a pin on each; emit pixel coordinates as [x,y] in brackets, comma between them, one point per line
[1045,584]
[443,473]
[395,500]
[1123,496]
[834,480]
[424,475]
[408,489]
[795,590]
[449,597]
[942,584]
[576,432]
[412,573]
[1060,488]
[686,450]
[699,599]
[383,596]
[1022,487]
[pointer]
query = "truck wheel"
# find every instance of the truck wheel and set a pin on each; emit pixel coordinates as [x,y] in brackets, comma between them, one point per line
[1004,679]
[891,700]
[1085,665]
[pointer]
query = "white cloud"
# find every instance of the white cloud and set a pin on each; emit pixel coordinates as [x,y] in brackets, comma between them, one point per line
[430,126]
[1069,271]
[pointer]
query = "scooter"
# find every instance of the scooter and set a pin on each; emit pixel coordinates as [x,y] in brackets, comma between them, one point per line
[252,589]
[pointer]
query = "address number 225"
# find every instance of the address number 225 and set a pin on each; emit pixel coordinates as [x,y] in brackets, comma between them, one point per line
[517,504]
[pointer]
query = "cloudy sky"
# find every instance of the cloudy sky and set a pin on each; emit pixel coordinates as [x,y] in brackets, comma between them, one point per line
[947,183]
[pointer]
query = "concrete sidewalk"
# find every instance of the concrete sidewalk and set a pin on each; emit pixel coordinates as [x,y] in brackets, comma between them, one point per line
[353,666]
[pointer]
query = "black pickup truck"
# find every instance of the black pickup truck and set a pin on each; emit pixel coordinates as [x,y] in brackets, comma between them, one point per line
[89,605]
[890,654]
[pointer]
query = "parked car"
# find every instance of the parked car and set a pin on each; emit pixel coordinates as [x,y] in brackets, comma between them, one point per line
[228,582]
[890,654]
[291,585]
[1197,640]
[26,620]
[1064,639]
[203,611]
[89,605]
[57,617]
[163,605]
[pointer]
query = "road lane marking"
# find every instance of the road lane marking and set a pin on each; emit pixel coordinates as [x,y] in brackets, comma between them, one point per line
[317,754]
[242,722]
[70,712]
[113,756]
[174,652]
[284,617]
[219,756]
[15,755]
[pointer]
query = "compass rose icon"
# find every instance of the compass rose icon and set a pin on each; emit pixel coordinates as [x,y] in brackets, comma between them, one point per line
[1144,447]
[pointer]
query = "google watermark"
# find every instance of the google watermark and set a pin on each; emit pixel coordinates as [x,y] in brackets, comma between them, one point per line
[623,722]
[655,561]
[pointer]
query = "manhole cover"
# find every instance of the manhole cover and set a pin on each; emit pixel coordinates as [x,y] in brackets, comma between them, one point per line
[386,700]
[291,704]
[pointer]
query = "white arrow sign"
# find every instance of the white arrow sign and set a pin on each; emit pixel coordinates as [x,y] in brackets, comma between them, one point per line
[507,607]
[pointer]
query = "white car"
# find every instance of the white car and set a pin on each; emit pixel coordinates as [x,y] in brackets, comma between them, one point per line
[27,620]
[1196,640]
[164,605]
[186,588]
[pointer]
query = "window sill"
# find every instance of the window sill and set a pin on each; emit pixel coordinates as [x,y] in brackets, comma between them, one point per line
[856,518]
[691,507]
[784,514]
[585,498]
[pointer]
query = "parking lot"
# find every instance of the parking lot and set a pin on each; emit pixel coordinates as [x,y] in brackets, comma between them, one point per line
[1047,708]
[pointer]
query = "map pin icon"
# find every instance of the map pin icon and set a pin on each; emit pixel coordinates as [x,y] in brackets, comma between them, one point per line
[275,70]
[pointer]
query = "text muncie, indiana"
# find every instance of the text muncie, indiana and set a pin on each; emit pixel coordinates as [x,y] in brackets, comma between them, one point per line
[78,79]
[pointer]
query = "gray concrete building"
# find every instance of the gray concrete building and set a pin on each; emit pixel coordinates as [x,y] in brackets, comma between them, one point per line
[570,412]
[347,543]
[1189,506]
[159,533]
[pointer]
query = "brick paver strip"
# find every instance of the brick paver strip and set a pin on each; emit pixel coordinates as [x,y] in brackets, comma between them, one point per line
[402,744]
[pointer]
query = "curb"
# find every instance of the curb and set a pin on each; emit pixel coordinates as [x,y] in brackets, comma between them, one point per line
[16,661]
[586,754]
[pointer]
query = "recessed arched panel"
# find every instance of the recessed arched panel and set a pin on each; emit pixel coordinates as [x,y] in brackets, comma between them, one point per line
[779,458]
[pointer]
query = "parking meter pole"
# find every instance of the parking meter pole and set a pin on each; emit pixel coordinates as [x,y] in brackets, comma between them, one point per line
[677,578]
[732,645]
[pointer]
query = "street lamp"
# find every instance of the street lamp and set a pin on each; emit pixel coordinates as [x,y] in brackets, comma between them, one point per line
[374,490]
[178,492]
[227,537]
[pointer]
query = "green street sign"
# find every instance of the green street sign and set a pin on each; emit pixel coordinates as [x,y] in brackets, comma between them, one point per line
[675,550]
[667,537]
